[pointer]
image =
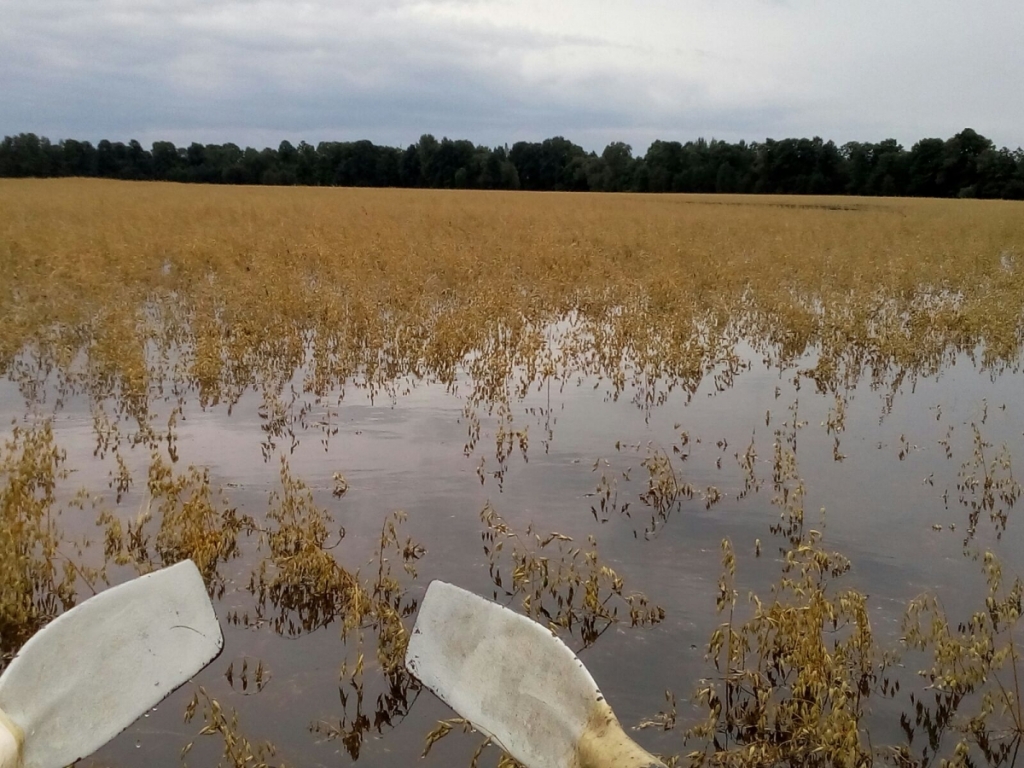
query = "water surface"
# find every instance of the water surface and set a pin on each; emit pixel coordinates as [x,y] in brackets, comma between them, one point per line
[886,495]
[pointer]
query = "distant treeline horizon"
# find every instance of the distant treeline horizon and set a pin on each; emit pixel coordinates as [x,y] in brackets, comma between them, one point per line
[965,165]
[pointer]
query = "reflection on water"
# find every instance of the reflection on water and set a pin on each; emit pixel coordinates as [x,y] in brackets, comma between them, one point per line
[891,476]
[271,381]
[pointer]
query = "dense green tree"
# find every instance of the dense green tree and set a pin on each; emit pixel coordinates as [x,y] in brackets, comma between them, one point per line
[306,164]
[997,173]
[196,155]
[965,165]
[664,162]
[727,180]
[619,167]
[446,161]
[167,161]
[78,158]
[410,172]
[547,165]
[830,175]
[700,171]
[925,168]
[510,175]
[426,148]
[960,162]
[109,159]
[890,171]
[287,154]
[27,155]
[223,164]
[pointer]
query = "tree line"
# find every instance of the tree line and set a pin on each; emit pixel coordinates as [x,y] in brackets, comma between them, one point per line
[965,165]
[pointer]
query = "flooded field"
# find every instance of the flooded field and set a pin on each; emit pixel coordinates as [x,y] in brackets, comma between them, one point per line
[623,415]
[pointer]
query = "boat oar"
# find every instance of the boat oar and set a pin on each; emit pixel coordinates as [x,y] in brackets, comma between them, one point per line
[95,669]
[516,683]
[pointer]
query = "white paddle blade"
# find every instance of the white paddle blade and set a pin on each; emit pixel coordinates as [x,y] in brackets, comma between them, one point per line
[517,683]
[95,669]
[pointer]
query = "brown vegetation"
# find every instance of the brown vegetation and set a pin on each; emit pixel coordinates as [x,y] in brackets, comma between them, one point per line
[143,297]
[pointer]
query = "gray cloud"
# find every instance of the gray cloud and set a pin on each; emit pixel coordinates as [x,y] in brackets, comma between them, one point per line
[258,71]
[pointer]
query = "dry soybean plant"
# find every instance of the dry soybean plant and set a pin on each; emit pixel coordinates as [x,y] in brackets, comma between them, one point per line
[149,301]
[559,583]
[225,290]
[798,677]
[41,572]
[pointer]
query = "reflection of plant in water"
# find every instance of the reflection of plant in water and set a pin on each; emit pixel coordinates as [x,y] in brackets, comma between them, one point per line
[794,678]
[300,578]
[220,292]
[260,676]
[445,727]
[987,486]
[238,751]
[559,583]
[381,621]
[299,295]
[357,719]
[666,490]
[795,675]
[38,580]
[747,462]
[976,656]
[299,586]
[191,523]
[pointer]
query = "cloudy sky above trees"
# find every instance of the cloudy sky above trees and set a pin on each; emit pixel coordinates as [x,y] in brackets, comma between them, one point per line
[259,71]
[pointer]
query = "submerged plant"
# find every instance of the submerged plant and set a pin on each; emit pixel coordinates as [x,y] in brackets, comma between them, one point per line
[39,576]
[558,583]
[278,303]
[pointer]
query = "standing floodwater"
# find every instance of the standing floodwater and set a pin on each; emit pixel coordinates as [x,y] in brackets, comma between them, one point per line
[623,416]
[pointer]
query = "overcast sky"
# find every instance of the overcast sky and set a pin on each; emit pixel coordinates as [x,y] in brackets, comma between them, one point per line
[497,71]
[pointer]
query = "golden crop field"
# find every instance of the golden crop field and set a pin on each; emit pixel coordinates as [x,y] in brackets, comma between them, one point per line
[143,323]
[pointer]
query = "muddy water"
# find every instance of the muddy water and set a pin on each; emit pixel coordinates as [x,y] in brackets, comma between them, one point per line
[886,496]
